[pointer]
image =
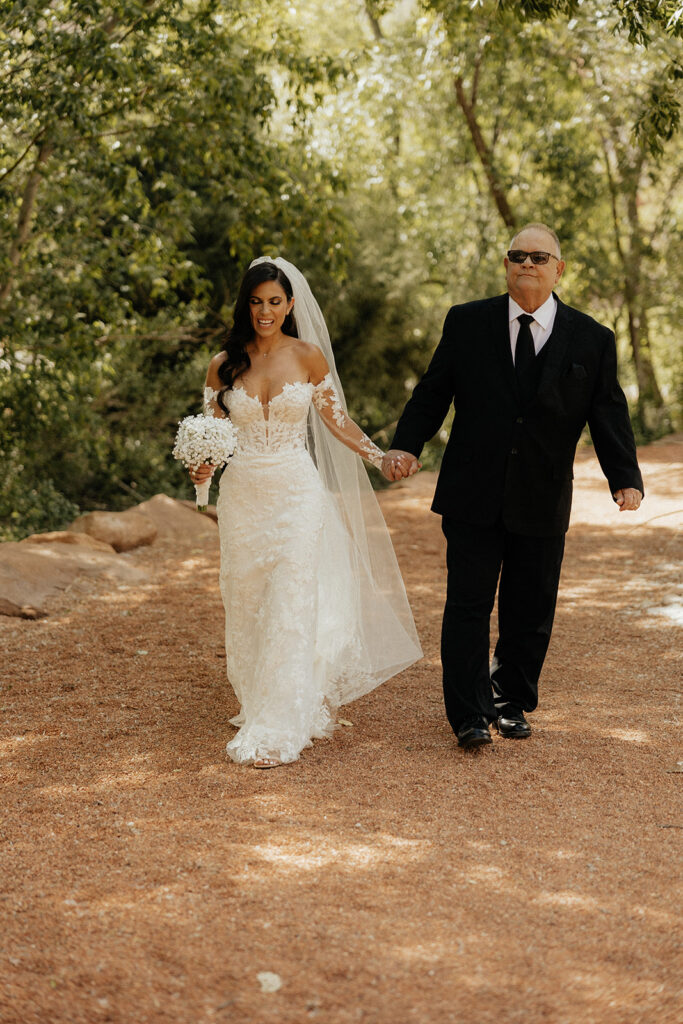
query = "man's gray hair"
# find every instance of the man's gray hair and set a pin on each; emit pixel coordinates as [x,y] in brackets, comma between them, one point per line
[537,226]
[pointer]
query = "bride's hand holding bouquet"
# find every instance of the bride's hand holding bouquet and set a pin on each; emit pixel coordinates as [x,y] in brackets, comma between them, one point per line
[203,443]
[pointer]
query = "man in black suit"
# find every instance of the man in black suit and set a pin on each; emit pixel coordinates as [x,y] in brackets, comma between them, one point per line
[525,373]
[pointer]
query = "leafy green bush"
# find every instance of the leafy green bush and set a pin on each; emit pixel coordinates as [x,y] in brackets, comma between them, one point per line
[29,506]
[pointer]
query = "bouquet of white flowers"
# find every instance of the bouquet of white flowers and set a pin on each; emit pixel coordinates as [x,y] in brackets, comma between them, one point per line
[204,439]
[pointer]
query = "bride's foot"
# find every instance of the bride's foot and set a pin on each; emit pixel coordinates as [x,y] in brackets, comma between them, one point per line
[266,762]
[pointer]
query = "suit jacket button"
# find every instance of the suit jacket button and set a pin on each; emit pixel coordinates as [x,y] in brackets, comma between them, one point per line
[513,451]
[520,419]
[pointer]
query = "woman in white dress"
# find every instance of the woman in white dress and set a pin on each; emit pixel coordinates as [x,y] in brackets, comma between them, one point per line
[316,611]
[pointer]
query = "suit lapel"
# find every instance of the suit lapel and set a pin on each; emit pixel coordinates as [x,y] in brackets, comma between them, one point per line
[500,333]
[556,346]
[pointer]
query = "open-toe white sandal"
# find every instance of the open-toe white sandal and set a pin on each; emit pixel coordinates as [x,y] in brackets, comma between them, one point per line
[266,762]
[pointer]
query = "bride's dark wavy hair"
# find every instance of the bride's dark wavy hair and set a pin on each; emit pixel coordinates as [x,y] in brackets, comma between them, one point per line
[242,333]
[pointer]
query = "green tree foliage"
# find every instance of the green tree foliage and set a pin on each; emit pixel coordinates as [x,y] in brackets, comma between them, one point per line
[643,21]
[478,123]
[149,151]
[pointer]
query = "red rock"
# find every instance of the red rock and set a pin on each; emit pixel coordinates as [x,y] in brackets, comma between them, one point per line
[20,612]
[68,537]
[33,572]
[176,521]
[122,530]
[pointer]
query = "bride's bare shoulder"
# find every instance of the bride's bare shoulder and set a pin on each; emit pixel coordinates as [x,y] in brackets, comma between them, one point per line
[213,379]
[314,361]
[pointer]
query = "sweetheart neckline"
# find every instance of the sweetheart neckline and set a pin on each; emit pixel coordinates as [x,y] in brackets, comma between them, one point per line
[287,384]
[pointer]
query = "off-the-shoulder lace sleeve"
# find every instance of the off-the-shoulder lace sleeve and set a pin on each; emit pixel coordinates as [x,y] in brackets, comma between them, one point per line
[326,401]
[211,406]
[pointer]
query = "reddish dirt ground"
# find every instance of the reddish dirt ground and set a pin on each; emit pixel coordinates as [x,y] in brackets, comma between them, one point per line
[385,877]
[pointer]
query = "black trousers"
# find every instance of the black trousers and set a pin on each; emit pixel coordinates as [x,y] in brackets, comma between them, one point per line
[529,571]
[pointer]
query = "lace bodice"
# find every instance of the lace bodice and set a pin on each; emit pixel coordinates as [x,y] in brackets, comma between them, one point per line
[280,425]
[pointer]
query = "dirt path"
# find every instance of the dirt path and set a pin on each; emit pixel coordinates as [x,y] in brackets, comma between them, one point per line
[386,877]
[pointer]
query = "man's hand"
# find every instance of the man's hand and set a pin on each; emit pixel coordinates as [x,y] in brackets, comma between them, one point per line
[628,499]
[201,473]
[397,464]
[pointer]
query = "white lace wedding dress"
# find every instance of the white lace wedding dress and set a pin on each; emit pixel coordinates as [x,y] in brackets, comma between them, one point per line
[299,640]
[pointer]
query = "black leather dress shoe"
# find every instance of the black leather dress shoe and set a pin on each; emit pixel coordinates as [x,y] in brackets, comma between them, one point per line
[474,734]
[513,725]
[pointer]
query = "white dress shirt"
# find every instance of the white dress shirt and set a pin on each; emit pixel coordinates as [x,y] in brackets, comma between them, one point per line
[541,326]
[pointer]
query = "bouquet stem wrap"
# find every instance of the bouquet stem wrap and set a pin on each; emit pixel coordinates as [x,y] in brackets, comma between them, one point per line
[202,494]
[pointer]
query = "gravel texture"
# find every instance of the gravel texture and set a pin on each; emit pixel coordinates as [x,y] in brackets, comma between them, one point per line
[386,877]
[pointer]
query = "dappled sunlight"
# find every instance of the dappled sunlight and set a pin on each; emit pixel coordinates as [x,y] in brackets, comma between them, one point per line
[128,597]
[671,610]
[592,727]
[576,901]
[487,873]
[610,989]
[480,844]
[568,899]
[117,783]
[422,589]
[192,564]
[354,855]
[628,735]
[13,745]
[429,953]
[308,850]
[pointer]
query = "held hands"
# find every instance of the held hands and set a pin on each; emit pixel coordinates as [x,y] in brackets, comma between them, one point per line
[628,499]
[397,464]
[201,473]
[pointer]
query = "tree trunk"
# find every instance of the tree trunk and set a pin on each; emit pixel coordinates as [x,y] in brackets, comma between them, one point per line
[485,155]
[653,416]
[652,413]
[25,216]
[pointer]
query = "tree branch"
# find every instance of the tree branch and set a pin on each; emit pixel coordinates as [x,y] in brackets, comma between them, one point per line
[485,155]
[475,79]
[20,160]
[613,197]
[374,23]
[25,216]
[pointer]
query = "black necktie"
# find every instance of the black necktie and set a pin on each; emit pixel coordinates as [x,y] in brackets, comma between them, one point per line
[525,358]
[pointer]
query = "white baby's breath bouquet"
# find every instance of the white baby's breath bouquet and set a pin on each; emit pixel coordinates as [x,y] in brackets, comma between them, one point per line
[204,439]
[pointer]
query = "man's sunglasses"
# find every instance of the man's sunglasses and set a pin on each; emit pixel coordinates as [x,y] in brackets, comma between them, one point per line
[518,256]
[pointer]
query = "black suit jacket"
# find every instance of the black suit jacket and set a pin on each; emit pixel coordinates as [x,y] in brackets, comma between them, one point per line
[504,459]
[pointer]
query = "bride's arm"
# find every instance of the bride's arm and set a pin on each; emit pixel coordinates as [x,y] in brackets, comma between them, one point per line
[328,404]
[212,386]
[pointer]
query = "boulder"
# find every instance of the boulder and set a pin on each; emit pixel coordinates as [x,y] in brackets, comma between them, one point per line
[34,571]
[82,540]
[177,522]
[20,612]
[122,530]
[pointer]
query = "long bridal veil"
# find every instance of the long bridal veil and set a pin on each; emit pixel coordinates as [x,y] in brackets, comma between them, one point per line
[388,638]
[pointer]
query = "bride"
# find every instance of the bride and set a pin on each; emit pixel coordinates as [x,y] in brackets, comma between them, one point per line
[316,611]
